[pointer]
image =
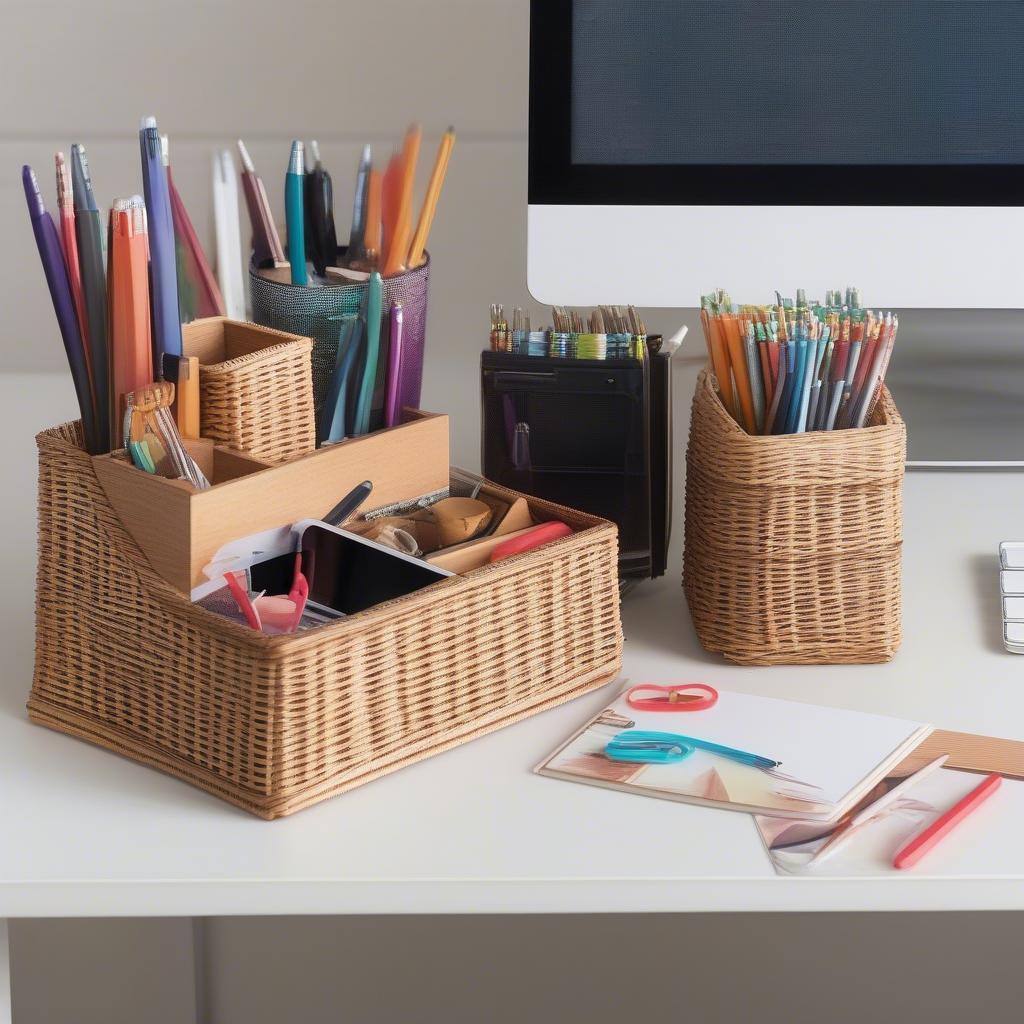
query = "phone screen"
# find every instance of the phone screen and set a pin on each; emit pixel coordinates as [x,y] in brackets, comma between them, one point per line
[348,574]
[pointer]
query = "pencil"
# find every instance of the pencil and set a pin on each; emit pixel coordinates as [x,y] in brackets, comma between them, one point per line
[399,247]
[437,175]
[373,209]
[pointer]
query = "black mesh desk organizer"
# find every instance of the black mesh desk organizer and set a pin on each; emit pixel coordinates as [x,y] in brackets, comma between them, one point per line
[591,434]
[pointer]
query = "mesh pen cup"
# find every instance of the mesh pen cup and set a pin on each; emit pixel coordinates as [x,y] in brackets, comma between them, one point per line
[313,312]
[793,543]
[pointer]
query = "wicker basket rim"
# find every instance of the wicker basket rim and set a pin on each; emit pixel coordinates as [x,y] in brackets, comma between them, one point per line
[891,422]
[262,355]
[279,647]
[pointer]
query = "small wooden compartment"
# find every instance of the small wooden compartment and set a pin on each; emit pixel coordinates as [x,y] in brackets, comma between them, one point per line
[179,529]
[256,387]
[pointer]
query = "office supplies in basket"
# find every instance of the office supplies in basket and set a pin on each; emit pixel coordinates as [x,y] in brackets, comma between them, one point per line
[791,368]
[152,439]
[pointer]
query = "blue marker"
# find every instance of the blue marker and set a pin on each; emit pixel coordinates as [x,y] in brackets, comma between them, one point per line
[294,211]
[162,256]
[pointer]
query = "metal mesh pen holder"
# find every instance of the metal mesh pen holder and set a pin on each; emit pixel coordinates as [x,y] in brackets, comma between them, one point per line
[313,312]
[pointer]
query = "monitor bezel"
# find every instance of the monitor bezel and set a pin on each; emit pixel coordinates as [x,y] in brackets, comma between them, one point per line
[555,180]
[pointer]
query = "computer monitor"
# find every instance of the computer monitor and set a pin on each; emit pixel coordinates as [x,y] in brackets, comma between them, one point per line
[679,145]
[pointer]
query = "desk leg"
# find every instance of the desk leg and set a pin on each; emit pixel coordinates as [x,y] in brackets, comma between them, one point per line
[5,974]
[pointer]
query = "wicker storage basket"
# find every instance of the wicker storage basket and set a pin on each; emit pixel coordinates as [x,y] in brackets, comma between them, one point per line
[276,723]
[792,546]
[256,387]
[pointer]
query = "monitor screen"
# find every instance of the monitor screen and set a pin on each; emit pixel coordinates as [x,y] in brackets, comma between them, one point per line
[797,82]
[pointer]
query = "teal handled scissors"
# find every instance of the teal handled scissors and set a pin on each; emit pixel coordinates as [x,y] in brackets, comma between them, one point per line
[637,746]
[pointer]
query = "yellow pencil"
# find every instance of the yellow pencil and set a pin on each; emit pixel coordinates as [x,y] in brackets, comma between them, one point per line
[419,240]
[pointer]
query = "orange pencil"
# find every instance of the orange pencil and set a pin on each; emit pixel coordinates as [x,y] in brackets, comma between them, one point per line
[419,239]
[720,363]
[372,236]
[739,368]
[398,249]
[390,200]
[131,347]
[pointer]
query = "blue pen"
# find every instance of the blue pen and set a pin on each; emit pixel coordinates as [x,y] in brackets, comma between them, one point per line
[638,746]
[814,346]
[162,256]
[294,211]
[332,414]
[799,347]
[374,299]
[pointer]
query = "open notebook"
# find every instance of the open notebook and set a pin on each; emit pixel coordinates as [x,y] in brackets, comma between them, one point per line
[829,758]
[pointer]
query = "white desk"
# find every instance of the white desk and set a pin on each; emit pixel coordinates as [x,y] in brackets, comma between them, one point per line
[89,834]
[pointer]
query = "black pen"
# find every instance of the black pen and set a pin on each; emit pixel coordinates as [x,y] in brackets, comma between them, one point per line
[347,506]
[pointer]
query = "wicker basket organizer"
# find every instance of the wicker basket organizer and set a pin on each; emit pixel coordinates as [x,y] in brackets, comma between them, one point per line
[793,544]
[256,387]
[273,724]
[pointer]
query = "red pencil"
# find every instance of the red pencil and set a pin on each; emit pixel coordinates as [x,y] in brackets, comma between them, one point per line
[909,854]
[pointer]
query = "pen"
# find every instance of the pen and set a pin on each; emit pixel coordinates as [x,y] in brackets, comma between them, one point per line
[66,208]
[391,404]
[59,285]
[334,411]
[294,208]
[131,348]
[193,266]
[266,242]
[348,505]
[322,240]
[373,318]
[229,252]
[162,258]
[911,852]
[356,250]
[89,235]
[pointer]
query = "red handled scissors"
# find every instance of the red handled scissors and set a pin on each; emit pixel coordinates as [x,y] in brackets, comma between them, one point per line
[681,697]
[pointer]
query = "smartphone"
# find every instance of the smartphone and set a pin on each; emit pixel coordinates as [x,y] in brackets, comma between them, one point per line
[347,573]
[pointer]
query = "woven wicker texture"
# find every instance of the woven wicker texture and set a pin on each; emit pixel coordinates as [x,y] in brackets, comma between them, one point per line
[276,723]
[792,544]
[314,313]
[262,403]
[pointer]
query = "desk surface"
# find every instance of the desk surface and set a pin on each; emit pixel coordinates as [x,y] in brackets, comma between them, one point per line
[472,830]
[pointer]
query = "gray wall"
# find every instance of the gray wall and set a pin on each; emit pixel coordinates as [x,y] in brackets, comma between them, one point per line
[215,72]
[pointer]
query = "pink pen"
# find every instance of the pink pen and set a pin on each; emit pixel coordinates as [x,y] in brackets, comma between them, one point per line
[391,410]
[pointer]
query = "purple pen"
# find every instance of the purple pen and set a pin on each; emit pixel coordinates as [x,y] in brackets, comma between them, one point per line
[391,406]
[56,271]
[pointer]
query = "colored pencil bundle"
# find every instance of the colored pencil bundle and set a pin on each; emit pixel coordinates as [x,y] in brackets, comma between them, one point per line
[120,313]
[798,367]
[610,332]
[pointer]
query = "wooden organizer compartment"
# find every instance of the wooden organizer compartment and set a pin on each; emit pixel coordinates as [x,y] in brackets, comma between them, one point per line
[179,529]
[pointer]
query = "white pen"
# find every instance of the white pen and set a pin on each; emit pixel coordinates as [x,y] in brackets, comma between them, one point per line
[873,809]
